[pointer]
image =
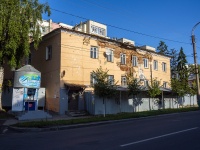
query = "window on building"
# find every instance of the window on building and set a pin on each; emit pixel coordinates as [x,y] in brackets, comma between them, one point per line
[134,61]
[111,79]
[97,30]
[123,81]
[155,65]
[146,63]
[92,79]
[164,67]
[165,84]
[110,56]
[94,52]
[48,52]
[123,58]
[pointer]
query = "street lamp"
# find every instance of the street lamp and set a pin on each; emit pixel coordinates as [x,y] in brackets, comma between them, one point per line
[195,63]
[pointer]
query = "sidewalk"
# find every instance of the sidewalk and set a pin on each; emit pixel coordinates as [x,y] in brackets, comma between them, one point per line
[12,121]
[7,123]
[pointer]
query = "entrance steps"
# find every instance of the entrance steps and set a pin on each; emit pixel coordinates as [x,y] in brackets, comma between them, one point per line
[76,113]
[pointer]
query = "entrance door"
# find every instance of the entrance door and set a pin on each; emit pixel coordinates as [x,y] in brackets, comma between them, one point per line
[73,101]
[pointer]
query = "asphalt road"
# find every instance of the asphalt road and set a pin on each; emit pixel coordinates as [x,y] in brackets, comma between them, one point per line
[168,132]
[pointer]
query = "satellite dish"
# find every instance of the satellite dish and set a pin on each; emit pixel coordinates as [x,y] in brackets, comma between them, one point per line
[108,52]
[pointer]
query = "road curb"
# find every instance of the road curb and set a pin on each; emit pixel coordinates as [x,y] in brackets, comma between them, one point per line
[64,127]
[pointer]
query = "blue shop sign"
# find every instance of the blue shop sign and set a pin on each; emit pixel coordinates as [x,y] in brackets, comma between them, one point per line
[30,80]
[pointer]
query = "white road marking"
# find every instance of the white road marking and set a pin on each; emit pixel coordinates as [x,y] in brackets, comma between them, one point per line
[158,137]
[4,131]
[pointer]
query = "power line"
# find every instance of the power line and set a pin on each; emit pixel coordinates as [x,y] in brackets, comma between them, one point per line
[128,30]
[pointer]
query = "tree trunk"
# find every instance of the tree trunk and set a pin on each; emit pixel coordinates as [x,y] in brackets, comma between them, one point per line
[177,100]
[104,108]
[193,100]
[133,102]
[149,104]
[1,85]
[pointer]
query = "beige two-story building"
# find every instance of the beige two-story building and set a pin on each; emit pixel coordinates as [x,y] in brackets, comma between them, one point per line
[66,58]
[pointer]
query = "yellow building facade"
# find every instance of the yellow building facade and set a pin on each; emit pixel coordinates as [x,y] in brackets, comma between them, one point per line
[67,57]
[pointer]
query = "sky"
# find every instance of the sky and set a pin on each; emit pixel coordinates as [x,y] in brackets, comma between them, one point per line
[147,22]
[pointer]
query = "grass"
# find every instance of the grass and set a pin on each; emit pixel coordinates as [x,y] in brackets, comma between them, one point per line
[46,123]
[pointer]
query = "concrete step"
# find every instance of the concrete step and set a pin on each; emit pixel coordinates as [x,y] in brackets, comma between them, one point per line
[76,113]
[32,115]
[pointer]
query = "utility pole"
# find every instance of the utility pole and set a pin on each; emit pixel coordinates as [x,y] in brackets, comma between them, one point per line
[195,63]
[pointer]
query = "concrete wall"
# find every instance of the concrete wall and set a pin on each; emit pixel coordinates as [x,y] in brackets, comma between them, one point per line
[95,106]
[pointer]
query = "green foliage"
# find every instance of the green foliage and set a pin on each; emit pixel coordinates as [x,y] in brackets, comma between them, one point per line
[193,89]
[6,85]
[154,88]
[162,48]
[181,66]
[192,69]
[179,87]
[18,26]
[134,85]
[173,61]
[103,87]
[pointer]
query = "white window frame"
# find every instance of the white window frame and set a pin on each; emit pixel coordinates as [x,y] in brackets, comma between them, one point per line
[134,61]
[94,52]
[49,52]
[123,81]
[146,62]
[97,30]
[155,65]
[111,79]
[122,58]
[110,58]
[164,67]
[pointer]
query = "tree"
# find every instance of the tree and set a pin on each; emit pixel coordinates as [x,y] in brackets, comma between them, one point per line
[154,89]
[103,87]
[192,90]
[162,48]
[192,69]
[173,61]
[179,88]
[180,85]
[134,85]
[18,27]
[182,69]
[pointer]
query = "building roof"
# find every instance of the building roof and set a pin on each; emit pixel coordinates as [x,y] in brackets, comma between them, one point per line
[27,68]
